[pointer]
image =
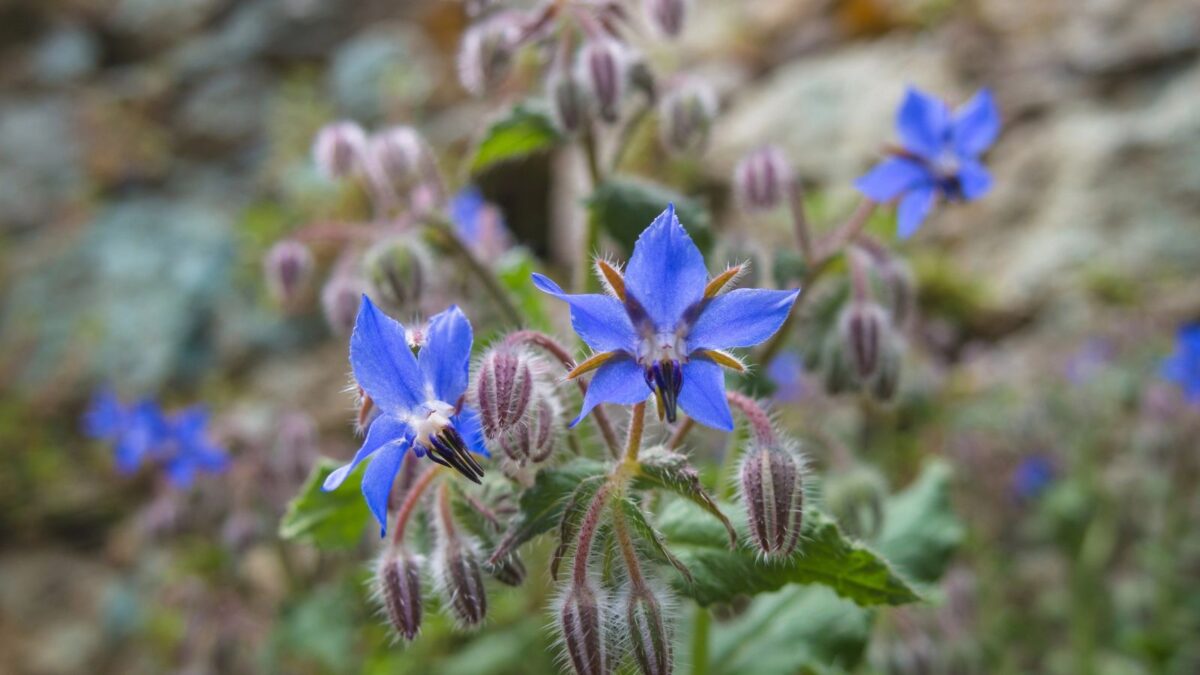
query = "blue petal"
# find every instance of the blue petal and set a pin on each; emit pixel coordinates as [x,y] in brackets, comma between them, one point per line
[105,415]
[922,123]
[383,364]
[128,454]
[973,179]
[740,318]
[891,177]
[180,472]
[976,125]
[380,476]
[913,209]
[469,427]
[620,381]
[601,320]
[385,429]
[666,272]
[464,212]
[446,356]
[703,394]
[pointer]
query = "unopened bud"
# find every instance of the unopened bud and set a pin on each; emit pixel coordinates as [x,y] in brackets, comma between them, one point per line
[666,15]
[397,156]
[339,302]
[855,499]
[886,381]
[649,631]
[339,149]
[486,53]
[459,574]
[602,64]
[901,287]
[772,482]
[572,101]
[288,268]
[509,571]
[762,179]
[686,114]
[534,437]
[503,389]
[399,582]
[583,623]
[863,328]
[398,270]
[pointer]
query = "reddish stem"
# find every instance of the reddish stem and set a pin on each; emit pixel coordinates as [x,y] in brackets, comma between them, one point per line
[759,420]
[410,502]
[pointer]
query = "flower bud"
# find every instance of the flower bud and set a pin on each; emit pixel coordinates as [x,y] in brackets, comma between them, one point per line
[398,270]
[886,381]
[533,438]
[602,64]
[572,101]
[649,631]
[901,288]
[863,328]
[666,15]
[583,623]
[855,499]
[396,156]
[772,482]
[399,583]
[339,149]
[503,389]
[288,268]
[486,53]
[339,302]
[459,574]
[762,179]
[686,114]
[509,571]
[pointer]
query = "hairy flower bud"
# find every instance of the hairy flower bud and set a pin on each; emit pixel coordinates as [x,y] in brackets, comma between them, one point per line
[503,389]
[762,179]
[666,15]
[534,438]
[396,157]
[458,571]
[686,114]
[772,482]
[901,288]
[288,268]
[583,623]
[398,578]
[339,149]
[649,631]
[339,302]
[509,571]
[886,381]
[398,270]
[603,64]
[486,53]
[855,499]
[863,329]
[572,101]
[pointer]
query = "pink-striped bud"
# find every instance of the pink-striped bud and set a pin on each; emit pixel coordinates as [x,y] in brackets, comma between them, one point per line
[762,179]
[339,149]
[398,579]
[339,302]
[686,115]
[288,268]
[485,56]
[583,624]
[649,631]
[772,483]
[509,570]
[397,156]
[666,15]
[863,328]
[603,65]
[572,101]
[504,388]
[458,571]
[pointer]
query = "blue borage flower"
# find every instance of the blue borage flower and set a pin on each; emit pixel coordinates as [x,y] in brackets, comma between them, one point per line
[419,398]
[1032,476]
[1183,367]
[142,432]
[665,327]
[939,156]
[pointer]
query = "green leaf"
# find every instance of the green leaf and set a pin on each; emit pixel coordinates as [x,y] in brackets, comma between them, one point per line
[623,207]
[826,557]
[542,504]
[669,470]
[920,531]
[649,537]
[515,269]
[329,520]
[524,131]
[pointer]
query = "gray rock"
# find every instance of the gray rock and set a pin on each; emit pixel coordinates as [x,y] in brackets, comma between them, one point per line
[380,69]
[42,154]
[66,55]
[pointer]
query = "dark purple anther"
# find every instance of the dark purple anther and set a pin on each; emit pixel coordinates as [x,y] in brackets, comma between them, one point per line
[665,379]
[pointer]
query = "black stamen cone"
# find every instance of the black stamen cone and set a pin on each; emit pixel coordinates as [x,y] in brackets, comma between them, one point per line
[665,379]
[448,449]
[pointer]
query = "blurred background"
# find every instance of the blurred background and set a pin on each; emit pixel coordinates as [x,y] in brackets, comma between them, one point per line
[152,150]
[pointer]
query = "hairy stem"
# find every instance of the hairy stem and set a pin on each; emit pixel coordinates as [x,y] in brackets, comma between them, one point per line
[591,236]
[680,433]
[410,502]
[849,231]
[637,423]
[800,221]
[627,550]
[587,533]
[759,420]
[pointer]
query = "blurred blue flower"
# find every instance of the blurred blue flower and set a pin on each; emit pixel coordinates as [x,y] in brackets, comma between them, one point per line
[419,398]
[191,448]
[939,156]
[1032,476]
[1183,367]
[786,372]
[478,223]
[666,326]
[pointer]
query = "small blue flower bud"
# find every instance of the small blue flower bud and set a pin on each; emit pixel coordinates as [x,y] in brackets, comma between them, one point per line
[288,268]
[649,631]
[583,624]
[772,484]
[339,149]
[666,15]
[686,114]
[398,270]
[603,65]
[762,179]
[398,578]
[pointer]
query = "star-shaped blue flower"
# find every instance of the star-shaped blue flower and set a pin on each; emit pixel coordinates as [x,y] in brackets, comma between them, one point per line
[419,399]
[1183,367]
[939,157]
[665,327]
[190,448]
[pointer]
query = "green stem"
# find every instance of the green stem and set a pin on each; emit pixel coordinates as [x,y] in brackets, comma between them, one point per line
[591,236]
[700,630]
[637,423]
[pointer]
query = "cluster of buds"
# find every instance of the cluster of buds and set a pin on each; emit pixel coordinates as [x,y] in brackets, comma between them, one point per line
[518,406]
[393,163]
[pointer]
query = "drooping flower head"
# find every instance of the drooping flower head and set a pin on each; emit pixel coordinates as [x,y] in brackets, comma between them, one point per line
[938,157]
[1183,367]
[419,399]
[664,327]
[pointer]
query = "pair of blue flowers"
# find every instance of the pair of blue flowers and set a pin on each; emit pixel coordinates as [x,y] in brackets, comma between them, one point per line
[142,432]
[663,330]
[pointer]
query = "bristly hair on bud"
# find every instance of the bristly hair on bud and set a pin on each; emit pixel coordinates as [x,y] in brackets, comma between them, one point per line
[863,329]
[667,16]
[339,302]
[603,64]
[772,484]
[533,439]
[582,615]
[686,114]
[339,150]
[762,179]
[648,609]
[486,53]
[504,388]
[398,587]
[509,570]
[399,269]
[288,268]
[457,569]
